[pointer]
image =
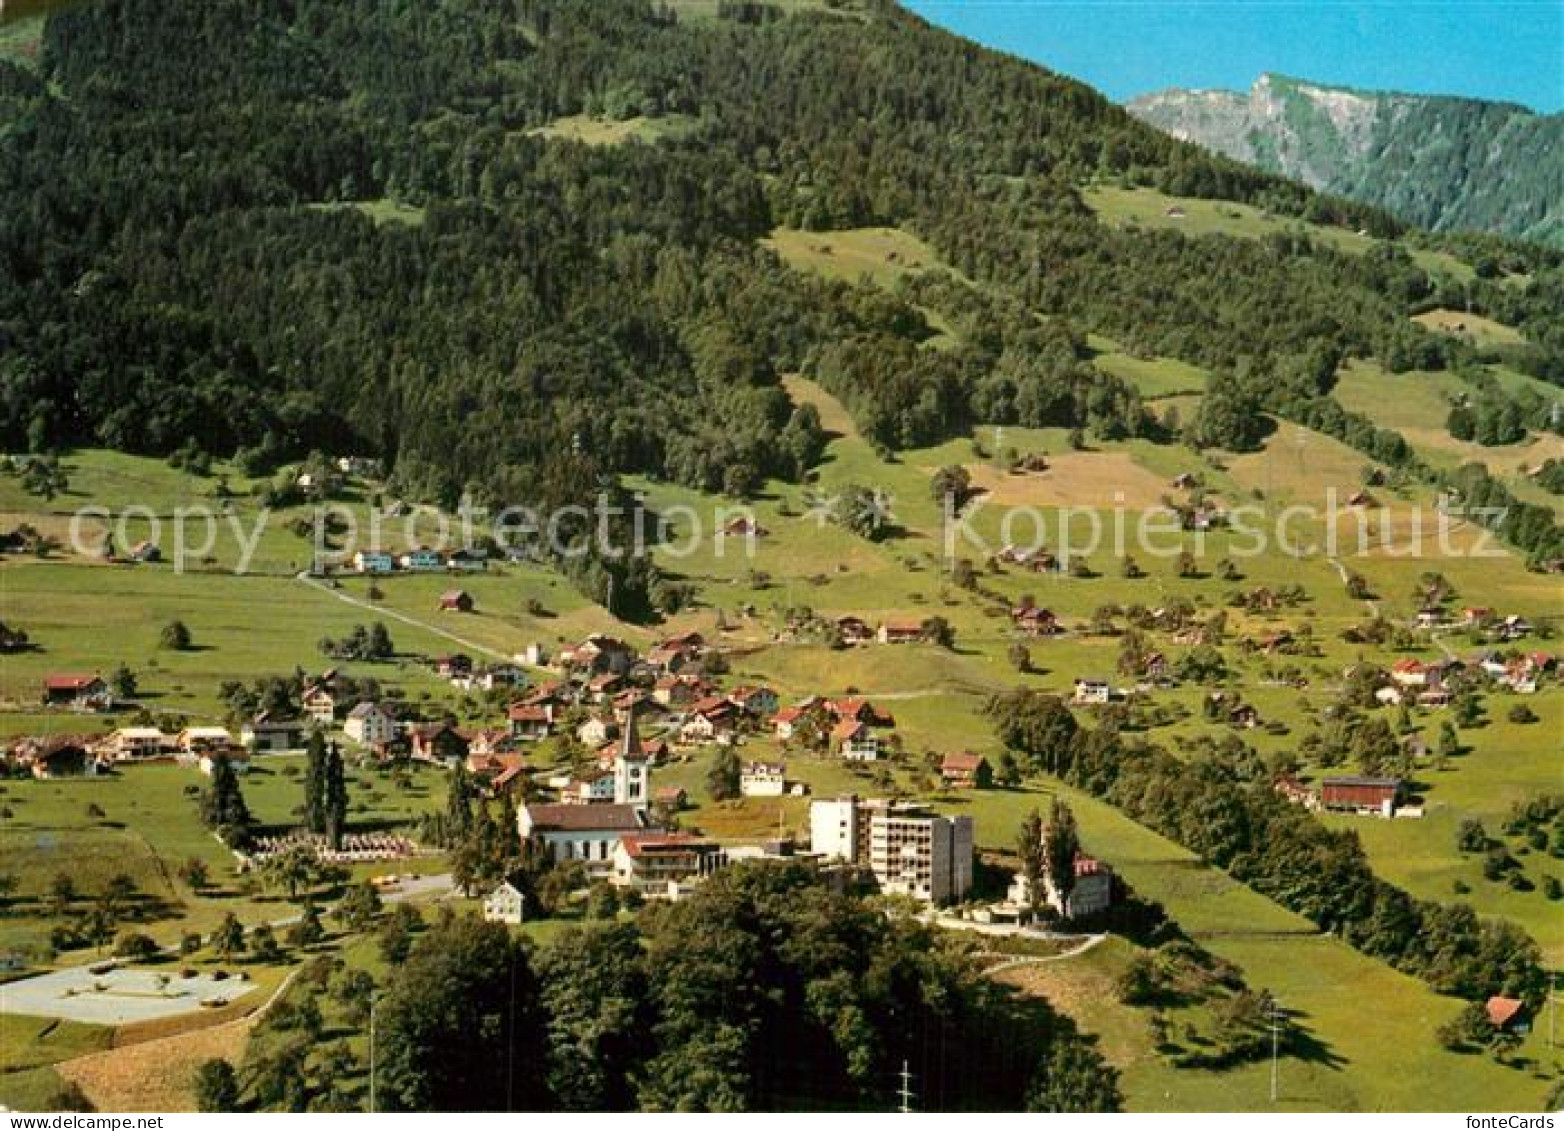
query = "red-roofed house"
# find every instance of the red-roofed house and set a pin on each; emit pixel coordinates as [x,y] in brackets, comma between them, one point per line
[854,741]
[1361,795]
[438,742]
[658,863]
[900,632]
[786,722]
[1029,620]
[860,710]
[754,700]
[79,692]
[456,601]
[530,722]
[965,770]
[1506,1013]
[679,690]
[1409,673]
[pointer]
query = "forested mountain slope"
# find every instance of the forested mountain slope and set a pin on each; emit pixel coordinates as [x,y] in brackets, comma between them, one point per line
[1440,163]
[333,224]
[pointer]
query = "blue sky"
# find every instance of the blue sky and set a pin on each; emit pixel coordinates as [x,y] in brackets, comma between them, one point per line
[1501,49]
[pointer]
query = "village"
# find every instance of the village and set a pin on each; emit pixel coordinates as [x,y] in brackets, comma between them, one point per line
[628,715]
[625,716]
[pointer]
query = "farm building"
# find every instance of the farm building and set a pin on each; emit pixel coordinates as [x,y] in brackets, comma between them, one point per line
[671,796]
[530,722]
[900,632]
[1029,620]
[59,756]
[440,743]
[78,692]
[456,601]
[1362,795]
[1506,1013]
[854,630]
[966,770]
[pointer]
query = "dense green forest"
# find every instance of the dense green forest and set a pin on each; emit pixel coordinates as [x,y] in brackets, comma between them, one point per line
[764,991]
[182,264]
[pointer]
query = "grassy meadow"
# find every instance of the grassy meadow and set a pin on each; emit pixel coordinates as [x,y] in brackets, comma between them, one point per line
[1150,209]
[1359,1019]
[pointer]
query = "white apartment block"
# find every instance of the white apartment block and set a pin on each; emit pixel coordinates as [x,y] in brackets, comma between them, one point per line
[910,849]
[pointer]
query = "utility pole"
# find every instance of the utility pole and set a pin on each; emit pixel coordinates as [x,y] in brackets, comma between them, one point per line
[906,1090]
[374,1001]
[1275,1047]
[1553,1011]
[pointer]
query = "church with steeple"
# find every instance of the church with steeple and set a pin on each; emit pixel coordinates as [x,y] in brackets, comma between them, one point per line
[588,833]
[632,769]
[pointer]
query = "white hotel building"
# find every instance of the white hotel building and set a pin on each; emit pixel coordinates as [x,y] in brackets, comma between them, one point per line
[910,849]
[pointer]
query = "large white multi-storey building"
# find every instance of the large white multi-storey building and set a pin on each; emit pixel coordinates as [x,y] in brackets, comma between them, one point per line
[910,849]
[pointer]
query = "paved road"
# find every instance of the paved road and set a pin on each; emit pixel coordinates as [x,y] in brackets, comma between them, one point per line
[1042,959]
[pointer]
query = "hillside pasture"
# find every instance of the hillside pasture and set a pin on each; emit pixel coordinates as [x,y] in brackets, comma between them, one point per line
[382,211]
[1154,377]
[1074,479]
[589,130]
[1474,328]
[1152,210]
[882,255]
[1417,404]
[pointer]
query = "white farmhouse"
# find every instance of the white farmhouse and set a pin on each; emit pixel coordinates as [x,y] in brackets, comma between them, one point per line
[763,779]
[504,904]
[370,724]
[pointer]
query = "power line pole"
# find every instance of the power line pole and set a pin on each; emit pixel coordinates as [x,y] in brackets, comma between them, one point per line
[1553,1011]
[1275,1047]
[906,1090]
[373,1002]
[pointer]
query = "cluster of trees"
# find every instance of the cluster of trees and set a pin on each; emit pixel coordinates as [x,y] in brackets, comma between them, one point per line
[764,991]
[96,923]
[1491,415]
[279,694]
[1484,499]
[366,645]
[223,808]
[1221,804]
[325,790]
